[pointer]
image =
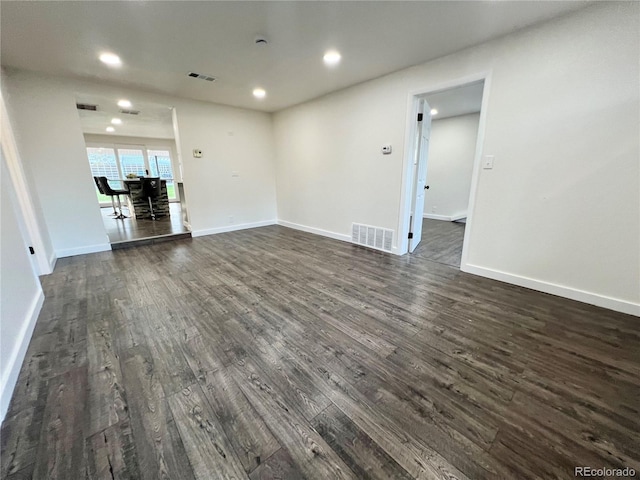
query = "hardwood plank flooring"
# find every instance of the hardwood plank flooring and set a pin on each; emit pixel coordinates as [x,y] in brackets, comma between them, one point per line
[134,229]
[276,354]
[441,241]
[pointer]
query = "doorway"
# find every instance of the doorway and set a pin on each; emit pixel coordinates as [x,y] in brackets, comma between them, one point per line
[127,146]
[443,169]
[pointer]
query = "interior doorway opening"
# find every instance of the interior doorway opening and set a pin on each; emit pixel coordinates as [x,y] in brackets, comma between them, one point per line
[442,168]
[134,170]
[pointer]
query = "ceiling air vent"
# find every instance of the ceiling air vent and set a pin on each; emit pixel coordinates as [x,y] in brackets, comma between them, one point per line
[130,112]
[86,106]
[208,78]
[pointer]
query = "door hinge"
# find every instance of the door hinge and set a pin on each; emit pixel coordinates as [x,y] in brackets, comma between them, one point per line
[419,117]
[32,251]
[410,235]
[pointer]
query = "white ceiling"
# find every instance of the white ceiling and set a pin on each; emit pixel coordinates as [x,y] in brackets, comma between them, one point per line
[154,119]
[456,101]
[161,41]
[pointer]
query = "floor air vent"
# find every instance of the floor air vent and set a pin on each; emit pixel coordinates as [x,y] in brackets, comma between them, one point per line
[374,237]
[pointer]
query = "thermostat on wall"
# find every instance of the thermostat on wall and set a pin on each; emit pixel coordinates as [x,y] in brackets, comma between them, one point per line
[386,149]
[197,153]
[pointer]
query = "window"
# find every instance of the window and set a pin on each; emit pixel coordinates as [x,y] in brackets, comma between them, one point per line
[117,161]
[132,161]
[160,163]
[103,163]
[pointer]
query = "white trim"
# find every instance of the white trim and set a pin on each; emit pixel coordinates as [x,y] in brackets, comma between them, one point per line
[70,252]
[475,176]
[52,261]
[447,218]
[316,231]
[14,363]
[406,191]
[27,215]
[232,228]
[554,289]
[433,216]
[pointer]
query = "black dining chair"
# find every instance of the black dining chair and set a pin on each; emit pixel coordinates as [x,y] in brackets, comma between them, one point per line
[151,188]
[107,190]
[113,203]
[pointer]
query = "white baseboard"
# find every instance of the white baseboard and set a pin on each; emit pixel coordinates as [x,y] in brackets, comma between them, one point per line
[52,261]
[611,303]
[232,228]
[433,216]
[70,252]
[14,362]
[446,218]
[316,231]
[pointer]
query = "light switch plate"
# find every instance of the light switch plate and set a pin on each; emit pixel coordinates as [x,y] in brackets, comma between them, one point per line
[197,153]
[386,149]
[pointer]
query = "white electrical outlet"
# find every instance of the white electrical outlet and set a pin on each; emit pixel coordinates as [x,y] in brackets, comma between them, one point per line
[230,218]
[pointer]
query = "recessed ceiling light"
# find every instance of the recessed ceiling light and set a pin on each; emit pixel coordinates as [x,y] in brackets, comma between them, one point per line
[331,58]
[110,59]
[434,111]
[111,129]
[116,121]
[124,103]
[259,93]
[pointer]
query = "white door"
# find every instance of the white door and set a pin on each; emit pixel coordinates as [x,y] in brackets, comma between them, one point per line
[420,169]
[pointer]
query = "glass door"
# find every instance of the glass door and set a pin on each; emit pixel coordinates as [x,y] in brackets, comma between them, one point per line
[160,166]
[117,161]
[103,163]
[133,160]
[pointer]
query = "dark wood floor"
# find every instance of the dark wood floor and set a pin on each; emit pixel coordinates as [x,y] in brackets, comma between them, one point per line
[441,242]
[272,353]
[131,228]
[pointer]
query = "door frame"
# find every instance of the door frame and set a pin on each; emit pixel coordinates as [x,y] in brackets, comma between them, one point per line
[408,177]
[420,161]
[27,218]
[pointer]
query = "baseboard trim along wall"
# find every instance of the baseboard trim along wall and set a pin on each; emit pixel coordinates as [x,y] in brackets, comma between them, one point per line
[603,301]
[70,252]
[316,231]
[52,260]
[8,382]
[446,218]
[232,228]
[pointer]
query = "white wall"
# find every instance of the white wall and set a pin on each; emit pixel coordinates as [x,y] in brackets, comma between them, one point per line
[28,197]
[233,142]
[49,138]
[20,294]
[52,147]
[452,149]
[559,212]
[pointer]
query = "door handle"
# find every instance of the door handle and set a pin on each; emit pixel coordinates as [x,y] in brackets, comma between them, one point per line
[426,187]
